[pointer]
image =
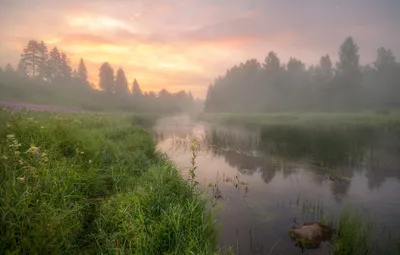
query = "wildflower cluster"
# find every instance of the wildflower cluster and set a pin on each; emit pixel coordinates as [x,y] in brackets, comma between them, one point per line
[36,153]
[14,154]
[79,152]
[12,151]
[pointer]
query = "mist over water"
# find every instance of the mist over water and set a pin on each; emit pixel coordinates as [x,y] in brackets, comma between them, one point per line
[293,105]
[282,186]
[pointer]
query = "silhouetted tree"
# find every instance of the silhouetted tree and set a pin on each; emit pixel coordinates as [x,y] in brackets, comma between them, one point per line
[348,65]
[348,75]
[293,87]
[106,75]
[54,65]
[272,63]
[296,84]
[322,77]
[42,60]
[37,67]
[22,68]
[388,78]
[82,74]
[385,60]
[273,79]
[121,83]
[164,94]
[324,71]
[136,90]
[65,68]
[31,58]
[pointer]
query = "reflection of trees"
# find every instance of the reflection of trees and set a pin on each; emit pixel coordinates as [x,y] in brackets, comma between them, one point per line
[245,164]
[342,152]
[340,188]
[380,164]
[249,164]
[384,164]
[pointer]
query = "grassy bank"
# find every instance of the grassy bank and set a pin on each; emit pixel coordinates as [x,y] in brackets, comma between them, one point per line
[373,119]
[93,184]
[330,140]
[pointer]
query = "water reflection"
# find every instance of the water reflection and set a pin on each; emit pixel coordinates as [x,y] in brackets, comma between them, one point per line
[342,152]
[284,168]
[285,149]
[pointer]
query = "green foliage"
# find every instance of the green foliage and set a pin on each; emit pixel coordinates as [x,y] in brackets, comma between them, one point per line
[328,140]
[194,147]
[64,179]
[357,234]
[317,120]
[153,220]
[327,146]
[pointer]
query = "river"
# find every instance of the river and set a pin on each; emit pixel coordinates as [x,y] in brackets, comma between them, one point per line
[260,195]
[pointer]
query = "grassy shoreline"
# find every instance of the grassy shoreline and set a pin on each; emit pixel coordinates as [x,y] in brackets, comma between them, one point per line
[332,142]
[304,119]
[94,184]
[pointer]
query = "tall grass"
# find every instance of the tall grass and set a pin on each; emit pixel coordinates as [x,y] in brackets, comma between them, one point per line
[91,184]
[153,220]
[328,140]
[306,119]
[325,146]
[357,234]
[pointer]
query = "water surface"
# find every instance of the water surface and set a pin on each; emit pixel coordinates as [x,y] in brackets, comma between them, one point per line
[279,188]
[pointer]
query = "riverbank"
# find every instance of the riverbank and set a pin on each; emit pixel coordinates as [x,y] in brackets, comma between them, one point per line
[374,119]
[331,140]
[91,183]
[264,177]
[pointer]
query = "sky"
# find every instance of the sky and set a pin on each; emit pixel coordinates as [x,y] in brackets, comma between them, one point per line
[186,44]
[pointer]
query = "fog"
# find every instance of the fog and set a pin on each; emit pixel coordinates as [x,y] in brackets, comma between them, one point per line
[261,118]
[242,58]
[45,76]
[274,86]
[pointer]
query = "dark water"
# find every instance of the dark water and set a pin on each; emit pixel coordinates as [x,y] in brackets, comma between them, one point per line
[281,188]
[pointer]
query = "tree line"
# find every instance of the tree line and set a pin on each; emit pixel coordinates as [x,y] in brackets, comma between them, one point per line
[274,86]
[48,71]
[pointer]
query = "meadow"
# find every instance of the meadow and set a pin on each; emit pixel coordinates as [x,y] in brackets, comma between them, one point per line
[73,183]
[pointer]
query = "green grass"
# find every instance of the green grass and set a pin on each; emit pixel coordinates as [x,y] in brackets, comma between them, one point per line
[330,140]
[357,234]
[92,184]
[391,120]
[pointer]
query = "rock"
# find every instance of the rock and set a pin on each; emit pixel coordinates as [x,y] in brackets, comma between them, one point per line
[310,235]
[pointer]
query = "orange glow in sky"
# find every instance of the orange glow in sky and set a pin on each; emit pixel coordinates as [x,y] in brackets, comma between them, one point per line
[186,44]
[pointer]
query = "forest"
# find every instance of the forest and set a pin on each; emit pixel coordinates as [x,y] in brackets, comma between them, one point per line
[344,86]
[45,76]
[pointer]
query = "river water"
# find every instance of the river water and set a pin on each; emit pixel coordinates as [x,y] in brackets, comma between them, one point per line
[258,195]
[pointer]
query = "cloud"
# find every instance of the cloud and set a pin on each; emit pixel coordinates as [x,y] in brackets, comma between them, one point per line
[186,43]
